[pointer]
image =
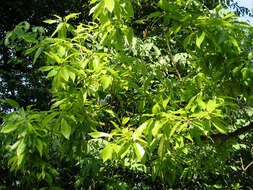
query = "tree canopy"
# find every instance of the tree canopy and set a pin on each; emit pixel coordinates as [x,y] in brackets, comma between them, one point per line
[143,95]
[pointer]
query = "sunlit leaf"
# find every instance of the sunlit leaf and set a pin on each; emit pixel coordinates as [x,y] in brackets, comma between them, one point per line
[109,4]
[139,151]
[21,147]
[98,134]
[211,105]
[200,39]
[106,81]
[51,21]
[156,109]
[73,15]
[107,152]
[125,120]
[46,68]
[9,128]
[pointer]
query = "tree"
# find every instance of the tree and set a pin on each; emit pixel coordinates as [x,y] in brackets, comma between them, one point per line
[20,79]
[146,104]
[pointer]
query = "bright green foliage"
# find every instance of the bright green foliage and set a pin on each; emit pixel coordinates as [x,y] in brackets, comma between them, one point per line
[150,102]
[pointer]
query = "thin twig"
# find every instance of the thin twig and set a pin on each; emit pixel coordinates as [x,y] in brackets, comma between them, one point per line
[171,55]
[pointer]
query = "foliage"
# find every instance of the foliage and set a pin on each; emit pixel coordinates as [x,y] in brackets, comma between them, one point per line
[166,107]
[20,79]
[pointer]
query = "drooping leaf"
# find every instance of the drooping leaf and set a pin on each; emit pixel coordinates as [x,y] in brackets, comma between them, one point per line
[37,54]
[219,125]
[250,56]
[106,81]
[200,39]
[21,147]
[39,146]
[12,103]
[125,120]
[139,151]
[52,73]
[142,128]
[211,105]
[124,149]
[65,128]
[156,109]
[9,128]
[174,128]
[107,152]
[109,4]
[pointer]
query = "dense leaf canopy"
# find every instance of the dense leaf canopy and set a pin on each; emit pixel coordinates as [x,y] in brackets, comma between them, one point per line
[143,95]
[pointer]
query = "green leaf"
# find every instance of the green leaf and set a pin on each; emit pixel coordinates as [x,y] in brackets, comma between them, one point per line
[71,74]
[52,73]
[165,102]
[250,100]
[54,57]
[211,105]
[219,125]
[235,43]
[8,35]
[98,134]
[250,56]
[61,51]
[21,147]
[163,4]
[29,38]
[65,128]
[142,127]
[32,49]
[156,109]
[46,68]
[106,81]
[93,1]
[172,131]
[107,152]
[189,105]
[60,27]
[124,149]
[188,40]
[20,159]
[200,39]
[109,4]
[73,15]
[9,128]
[37,54]
[154,15]
[12,103]
[125,120]
[51,21]
[139,151]
[63,73]
[161,146]
[39,146]
[157,127]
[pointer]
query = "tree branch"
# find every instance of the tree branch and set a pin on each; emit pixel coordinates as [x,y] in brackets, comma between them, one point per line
[224,137]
